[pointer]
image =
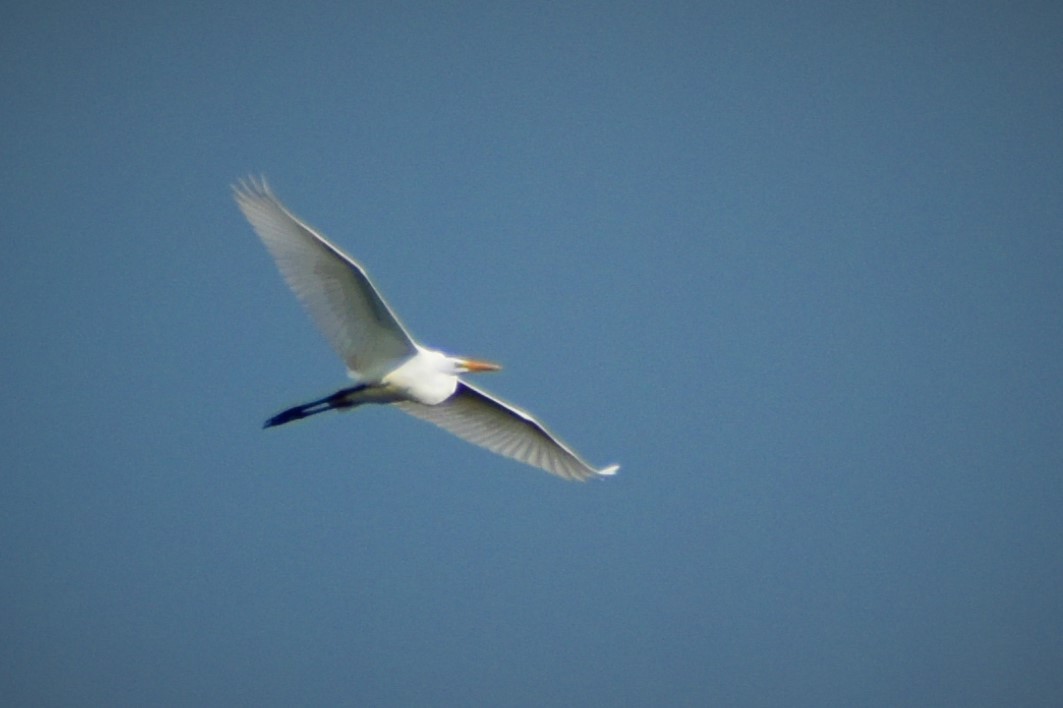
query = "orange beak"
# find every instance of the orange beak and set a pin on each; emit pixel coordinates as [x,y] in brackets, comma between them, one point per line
[475,367]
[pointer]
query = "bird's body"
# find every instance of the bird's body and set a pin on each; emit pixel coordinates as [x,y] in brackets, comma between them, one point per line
[427,377]
[385,363]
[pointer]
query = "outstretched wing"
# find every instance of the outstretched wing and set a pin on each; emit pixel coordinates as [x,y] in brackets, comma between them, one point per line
[481,419]
[332,286]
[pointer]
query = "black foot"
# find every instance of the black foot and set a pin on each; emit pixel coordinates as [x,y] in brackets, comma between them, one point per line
[297,413]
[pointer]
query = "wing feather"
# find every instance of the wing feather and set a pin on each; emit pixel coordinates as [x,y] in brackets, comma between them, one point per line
[483,420]
[332,286]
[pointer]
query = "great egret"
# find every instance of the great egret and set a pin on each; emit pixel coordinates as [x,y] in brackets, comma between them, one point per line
[384,361]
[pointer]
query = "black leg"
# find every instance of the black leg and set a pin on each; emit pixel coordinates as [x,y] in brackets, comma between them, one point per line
[336,400]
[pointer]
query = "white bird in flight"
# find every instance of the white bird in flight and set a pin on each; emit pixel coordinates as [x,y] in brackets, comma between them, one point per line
[384,361]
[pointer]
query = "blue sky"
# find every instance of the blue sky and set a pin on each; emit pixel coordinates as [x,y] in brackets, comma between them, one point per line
[796,268]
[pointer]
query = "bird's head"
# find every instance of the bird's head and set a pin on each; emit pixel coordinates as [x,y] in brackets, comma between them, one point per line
[454,365]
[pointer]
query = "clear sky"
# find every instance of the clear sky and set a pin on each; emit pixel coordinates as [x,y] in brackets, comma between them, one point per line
[798,268]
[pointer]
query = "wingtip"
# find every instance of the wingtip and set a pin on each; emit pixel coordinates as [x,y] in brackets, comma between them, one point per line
[608,471]
[251,186]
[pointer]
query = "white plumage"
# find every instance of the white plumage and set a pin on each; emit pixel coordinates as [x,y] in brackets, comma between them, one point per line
[385,363]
